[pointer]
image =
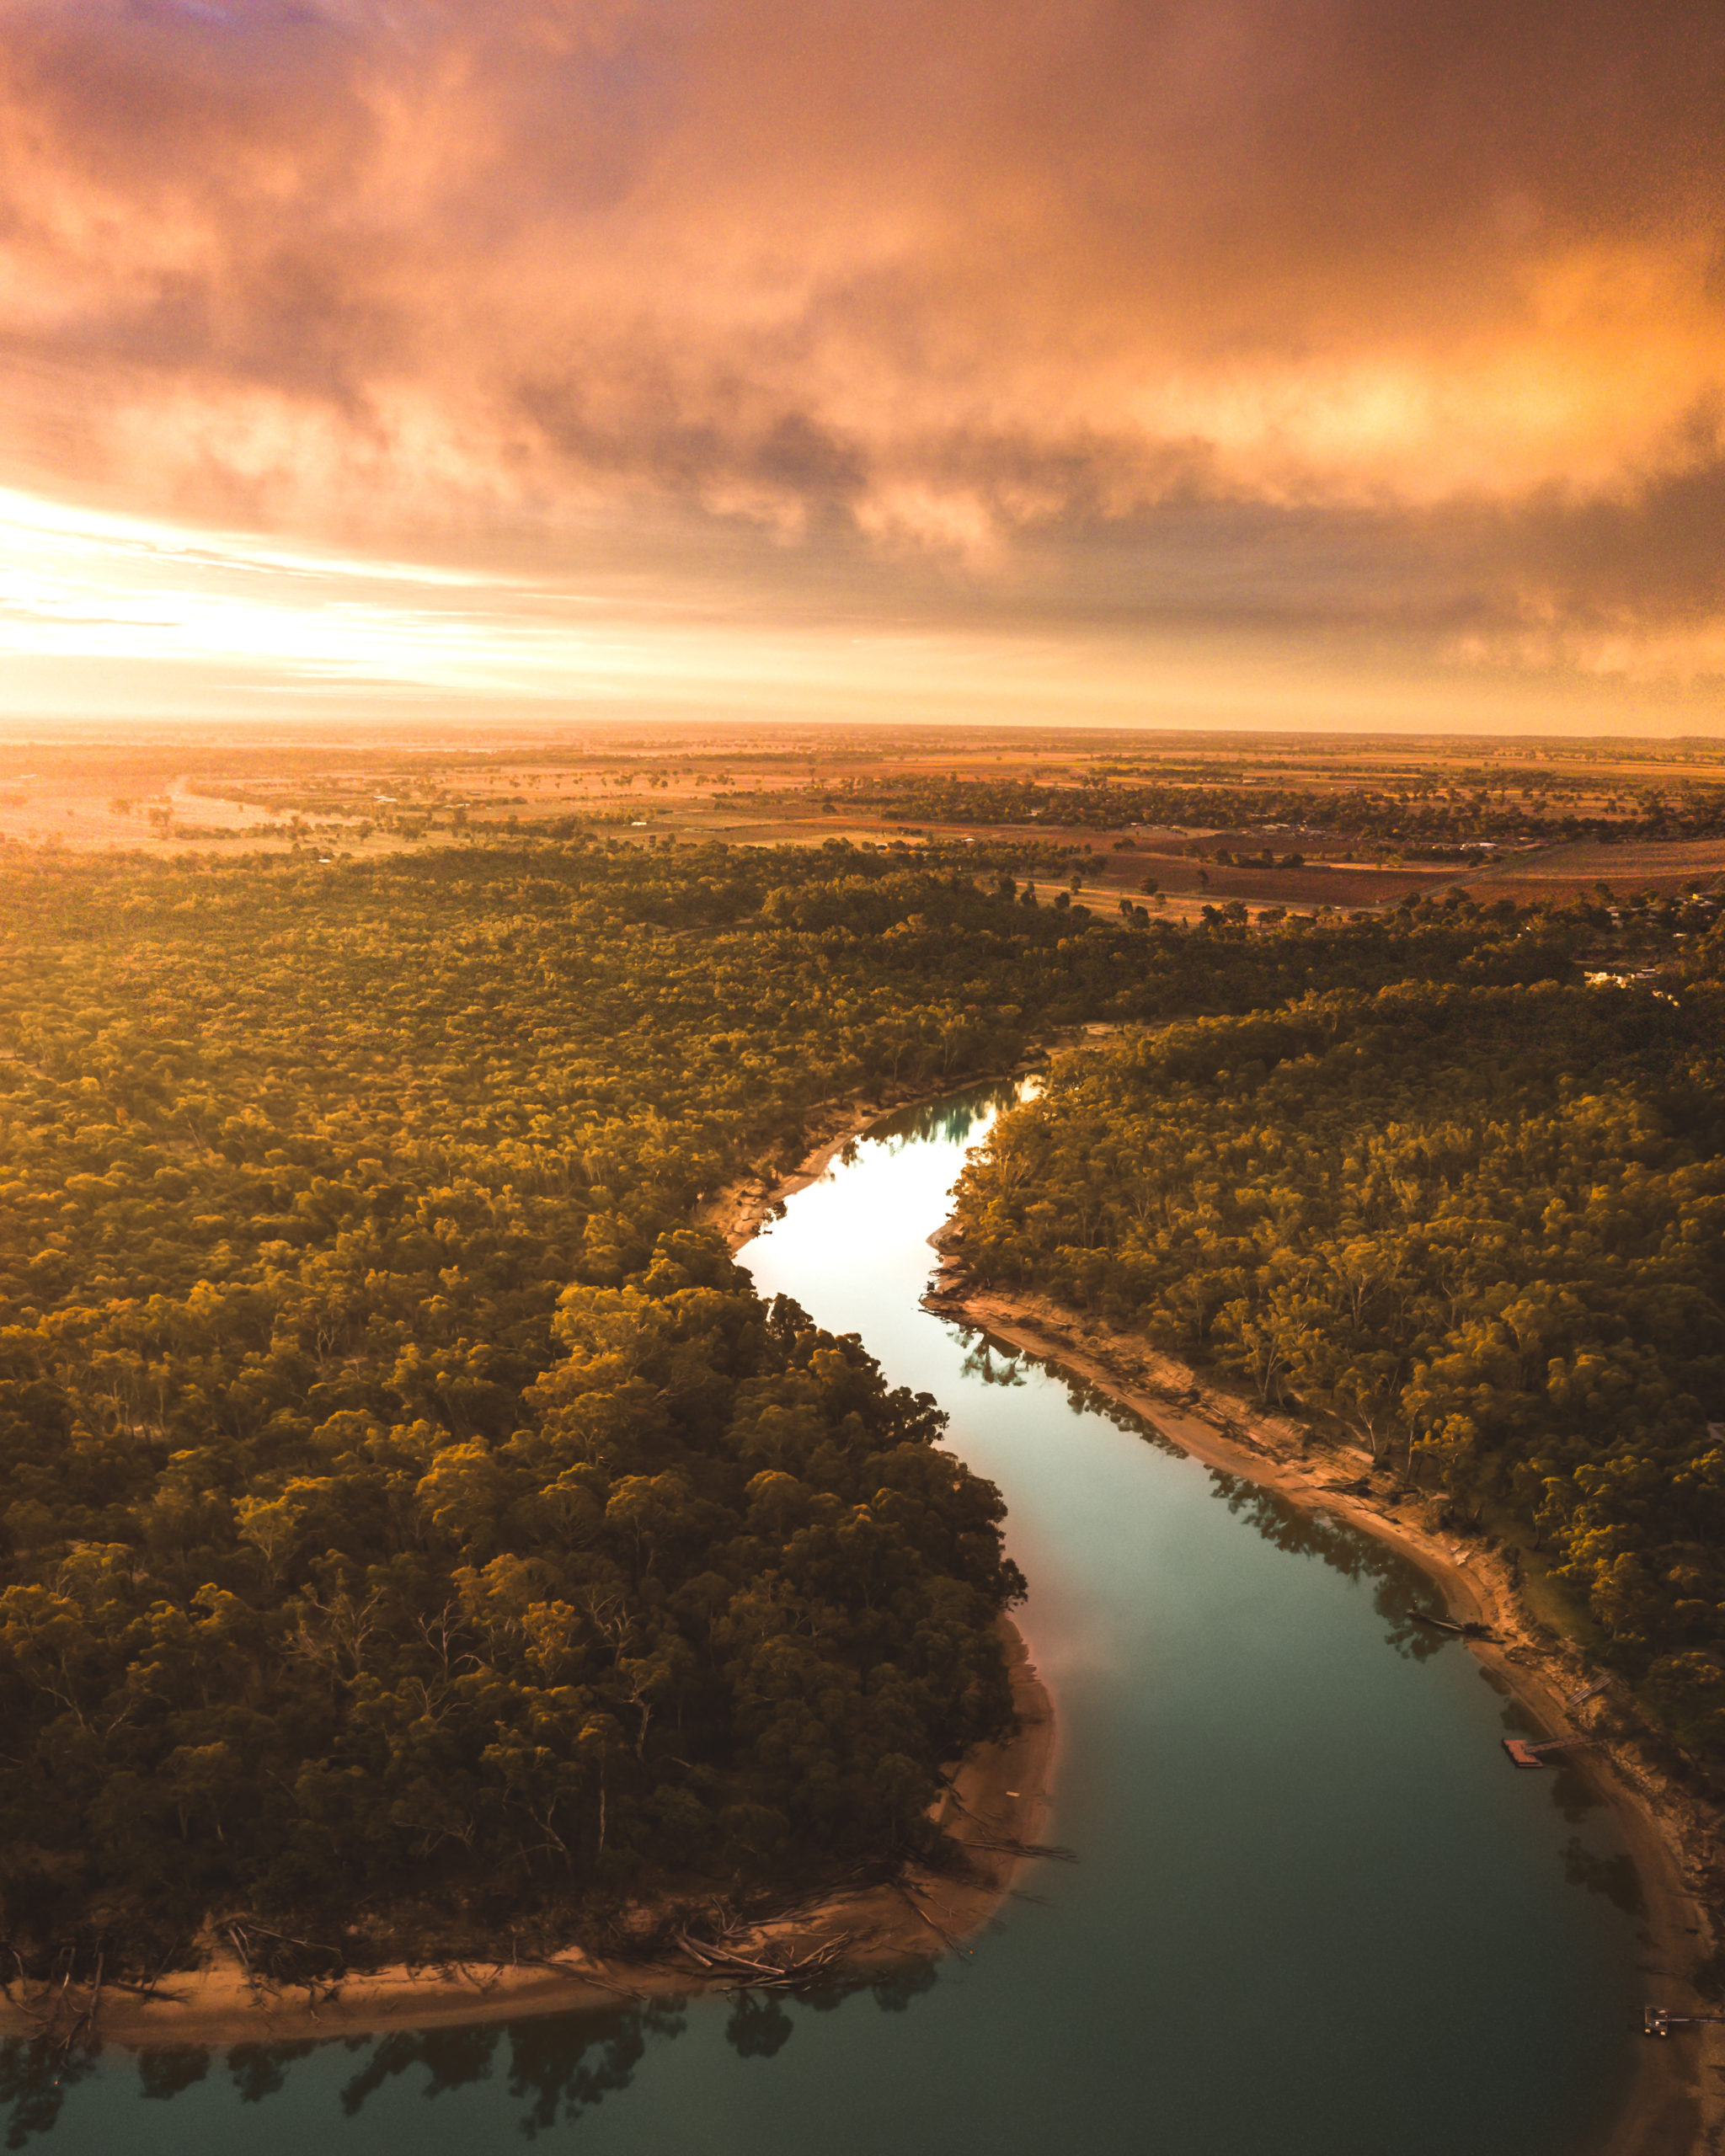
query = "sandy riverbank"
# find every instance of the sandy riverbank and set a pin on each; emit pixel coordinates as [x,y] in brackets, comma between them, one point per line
[1676,2105]
[741,1208]
[996,1807]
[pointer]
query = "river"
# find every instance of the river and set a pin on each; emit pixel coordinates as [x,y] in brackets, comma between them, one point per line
[1314,1911]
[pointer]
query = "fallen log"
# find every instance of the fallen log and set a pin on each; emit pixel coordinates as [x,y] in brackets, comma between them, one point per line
[584,1974]
[722,1960]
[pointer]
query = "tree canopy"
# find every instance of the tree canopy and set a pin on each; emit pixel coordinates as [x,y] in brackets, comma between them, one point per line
[406,1507]
[1479,1227]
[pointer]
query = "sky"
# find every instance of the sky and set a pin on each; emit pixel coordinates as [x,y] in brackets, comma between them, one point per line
[1355,363]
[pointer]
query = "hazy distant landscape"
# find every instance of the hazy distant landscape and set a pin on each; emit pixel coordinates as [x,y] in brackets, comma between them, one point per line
[1320,821]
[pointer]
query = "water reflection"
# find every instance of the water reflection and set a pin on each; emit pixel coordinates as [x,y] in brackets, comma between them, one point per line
[166,2072]
[894,1994]
[948,1122]
[35,2077]
[1613,1875]
[1572,1793]
[1402,1592]
[980,1363]
[260,2070]
[759,2027]
[996,1362]
[560,2065]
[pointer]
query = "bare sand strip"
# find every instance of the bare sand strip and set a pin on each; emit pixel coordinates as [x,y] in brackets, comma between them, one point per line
[739,1209]
[1676,2105]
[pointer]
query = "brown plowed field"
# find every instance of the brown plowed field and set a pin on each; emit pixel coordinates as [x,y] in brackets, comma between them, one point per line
[1658,865]
[1319,885]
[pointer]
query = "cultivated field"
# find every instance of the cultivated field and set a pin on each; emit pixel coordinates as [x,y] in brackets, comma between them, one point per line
[1343,823]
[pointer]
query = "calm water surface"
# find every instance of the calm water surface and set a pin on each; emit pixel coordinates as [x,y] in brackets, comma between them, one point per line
[1313,1911]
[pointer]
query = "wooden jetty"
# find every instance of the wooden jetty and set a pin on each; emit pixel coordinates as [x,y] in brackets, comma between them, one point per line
[1660,2020]
[1525,1754]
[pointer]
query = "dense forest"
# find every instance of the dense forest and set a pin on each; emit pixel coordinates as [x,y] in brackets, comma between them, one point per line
[407,1509]
[1479,1228]
[1420,818]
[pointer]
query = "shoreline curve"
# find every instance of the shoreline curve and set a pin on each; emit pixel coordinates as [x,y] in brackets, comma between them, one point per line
[995,1809]
[1675,2103]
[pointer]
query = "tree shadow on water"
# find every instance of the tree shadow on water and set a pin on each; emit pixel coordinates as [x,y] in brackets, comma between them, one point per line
[759,2027]
[260,2070]
[894,1994]
[1401,1591]
[1615,1876]
[560,2065]
[1572,1795]
[34,2078]
[952,1117]
[1083,1397]
[980,1363]
[171,2070]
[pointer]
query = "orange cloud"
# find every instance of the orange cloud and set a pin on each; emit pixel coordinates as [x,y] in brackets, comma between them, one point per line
[1310,309]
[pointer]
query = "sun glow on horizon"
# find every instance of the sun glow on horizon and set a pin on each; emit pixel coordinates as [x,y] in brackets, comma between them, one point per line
[1097,362]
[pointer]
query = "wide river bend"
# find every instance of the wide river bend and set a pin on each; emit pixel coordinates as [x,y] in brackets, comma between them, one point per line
[1314,1912]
